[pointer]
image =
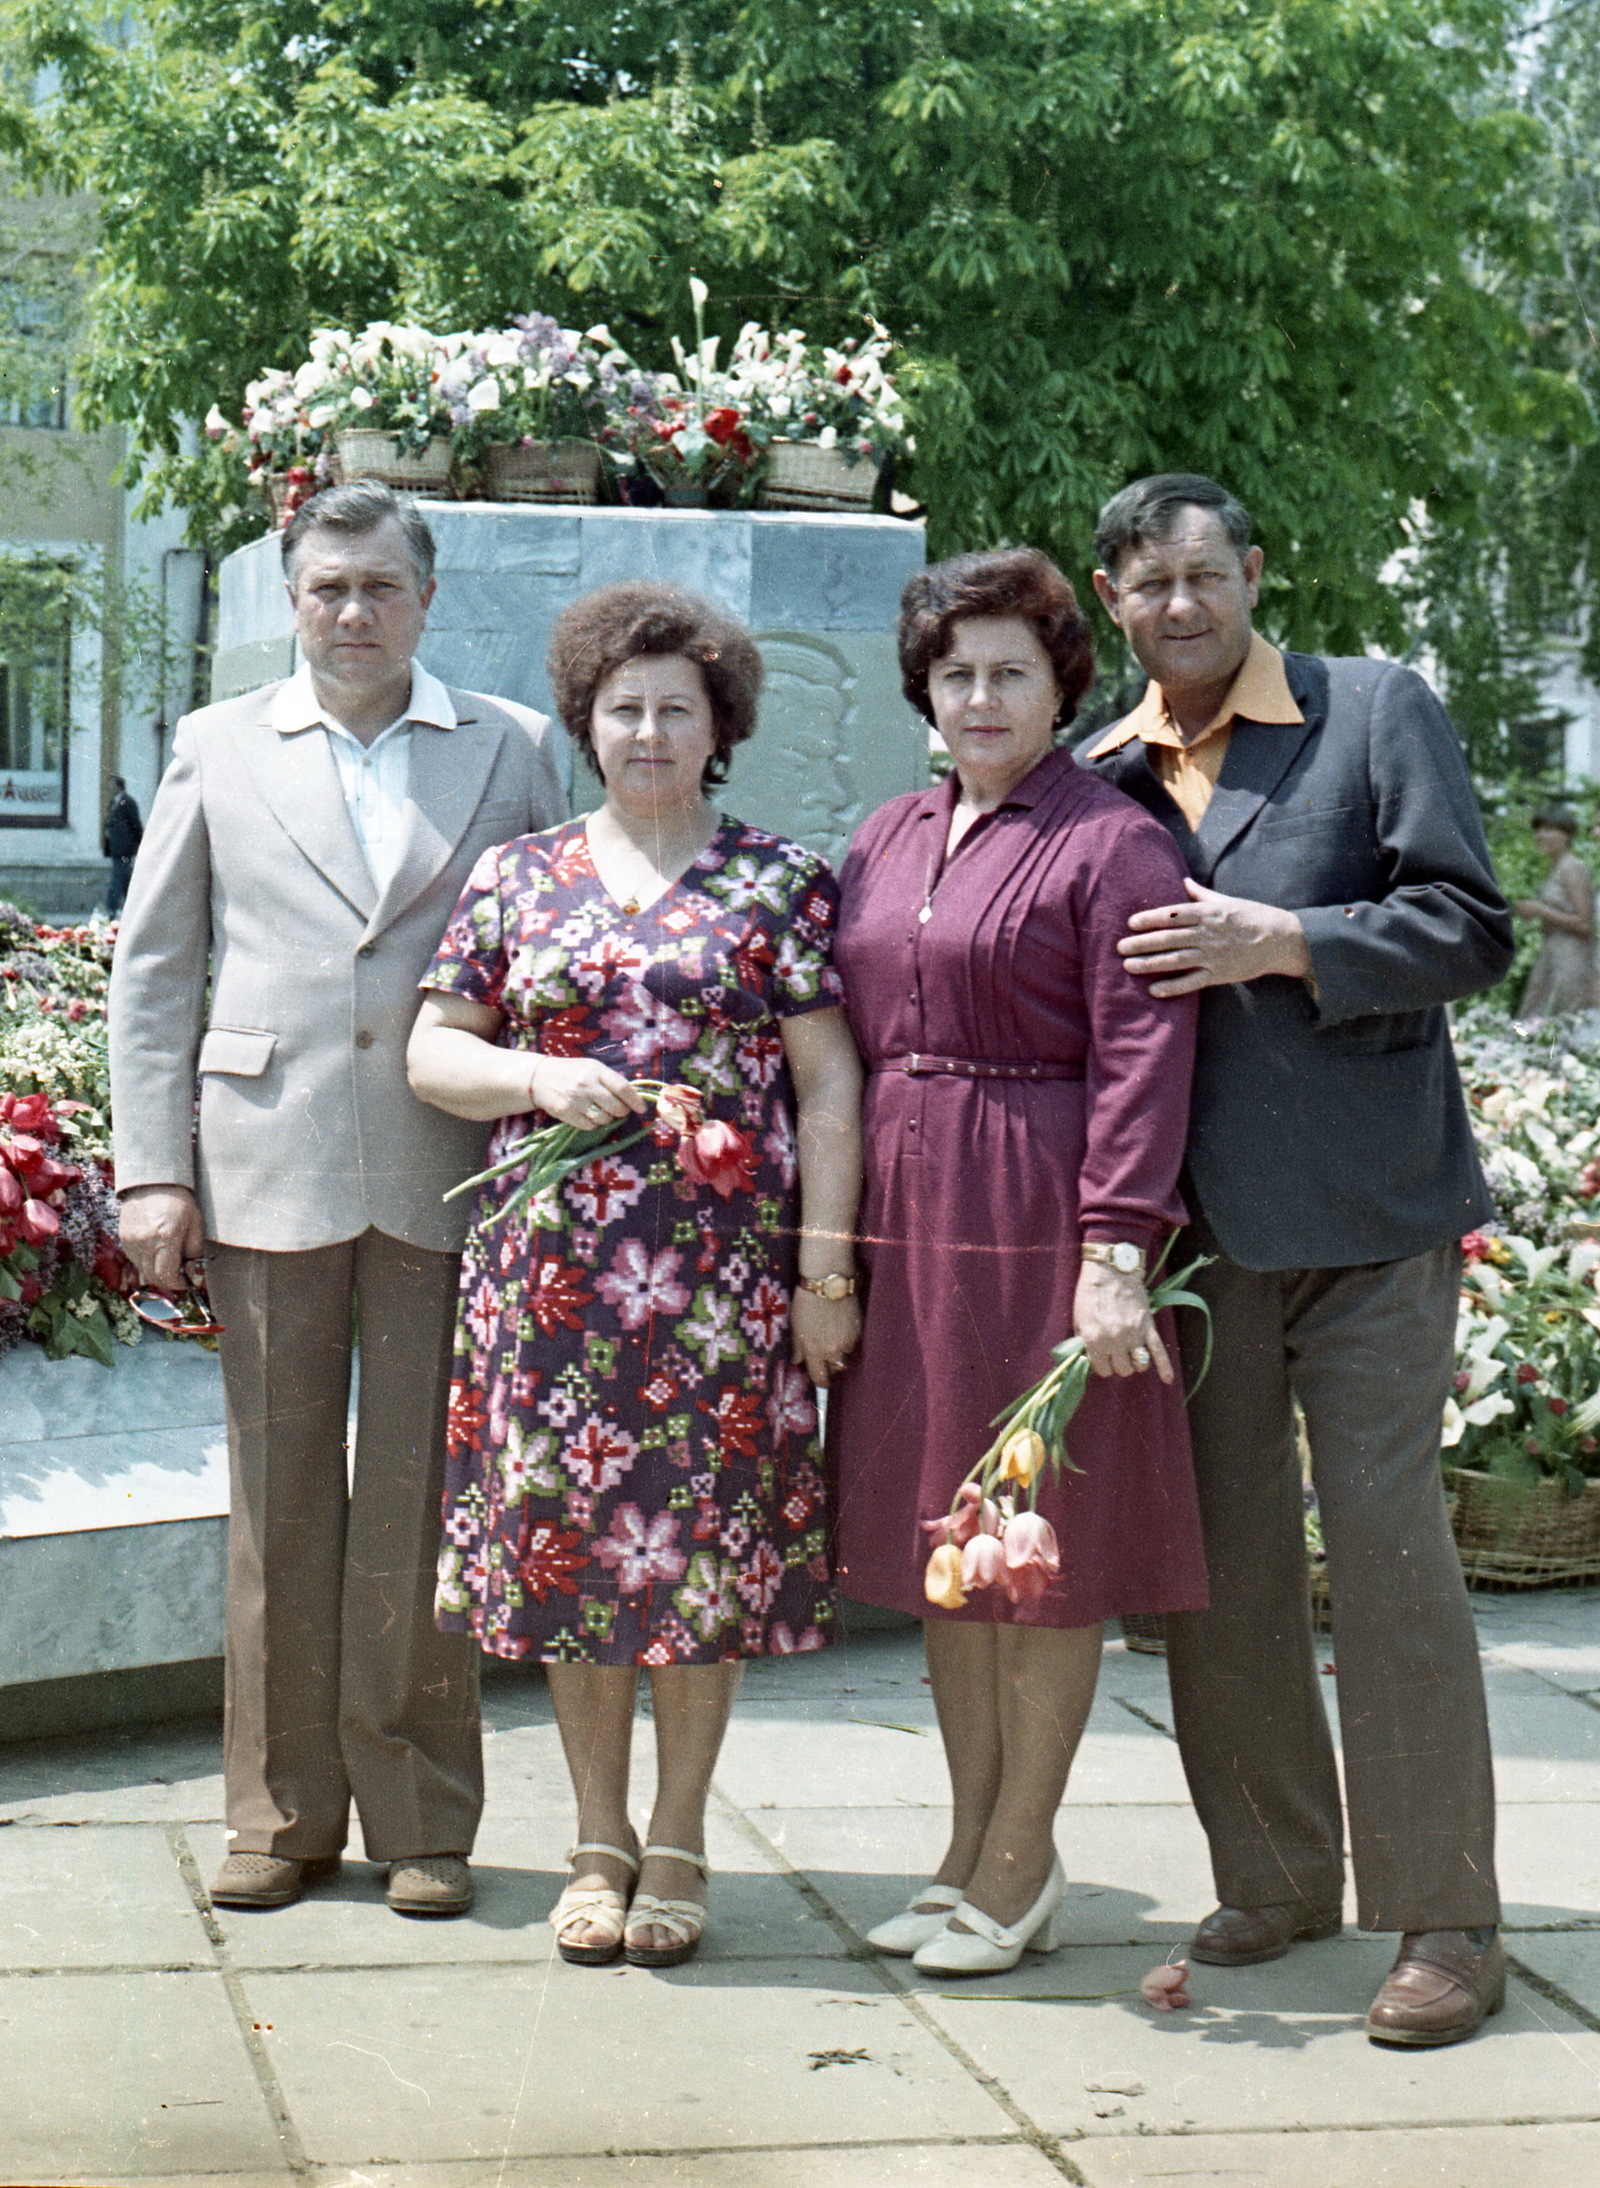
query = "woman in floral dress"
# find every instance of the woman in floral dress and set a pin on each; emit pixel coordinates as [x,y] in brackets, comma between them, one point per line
[634,1476]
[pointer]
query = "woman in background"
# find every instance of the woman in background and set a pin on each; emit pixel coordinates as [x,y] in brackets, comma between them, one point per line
[1563,978]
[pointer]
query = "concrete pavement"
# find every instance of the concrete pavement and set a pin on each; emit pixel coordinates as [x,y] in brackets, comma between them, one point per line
[146,2038]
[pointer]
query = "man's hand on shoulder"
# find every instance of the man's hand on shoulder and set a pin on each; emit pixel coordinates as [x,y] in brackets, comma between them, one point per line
[160,1231]
[1213,941]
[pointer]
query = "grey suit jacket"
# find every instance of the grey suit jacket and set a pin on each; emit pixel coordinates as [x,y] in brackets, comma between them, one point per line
[1328,1127]
[250,878]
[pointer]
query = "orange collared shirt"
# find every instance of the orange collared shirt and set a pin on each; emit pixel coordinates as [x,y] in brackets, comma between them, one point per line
[1189,768]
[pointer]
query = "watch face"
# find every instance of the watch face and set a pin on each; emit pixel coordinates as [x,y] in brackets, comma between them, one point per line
[1126,1258]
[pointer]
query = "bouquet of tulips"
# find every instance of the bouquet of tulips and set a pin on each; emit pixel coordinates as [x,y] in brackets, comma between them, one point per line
[714,1154]
[988,1539]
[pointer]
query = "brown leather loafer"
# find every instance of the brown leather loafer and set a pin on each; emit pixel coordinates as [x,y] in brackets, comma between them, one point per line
[267,1880]
[1441,1988]
[430,1884]
[1240,1937]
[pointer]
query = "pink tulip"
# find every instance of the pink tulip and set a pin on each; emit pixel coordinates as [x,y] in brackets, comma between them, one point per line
[1167,1986]
[983,1562]
[1032,1559]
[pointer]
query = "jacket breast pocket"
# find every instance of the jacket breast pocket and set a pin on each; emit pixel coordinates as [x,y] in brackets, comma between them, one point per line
[237,1051]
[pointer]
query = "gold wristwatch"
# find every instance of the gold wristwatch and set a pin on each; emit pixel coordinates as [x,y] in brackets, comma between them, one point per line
[1125,1258]
[829,1287]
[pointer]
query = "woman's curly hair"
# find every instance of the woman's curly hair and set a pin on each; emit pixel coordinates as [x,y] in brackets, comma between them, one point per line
[1015,581]
[603,631]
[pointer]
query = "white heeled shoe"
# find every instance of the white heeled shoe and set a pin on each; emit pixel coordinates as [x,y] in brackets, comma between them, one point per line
[986,1947]
[903,1933]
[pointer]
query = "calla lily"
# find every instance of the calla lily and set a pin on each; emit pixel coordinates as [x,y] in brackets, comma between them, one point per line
[941,1583]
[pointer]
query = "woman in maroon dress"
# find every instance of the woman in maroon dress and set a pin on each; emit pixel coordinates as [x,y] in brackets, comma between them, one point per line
[1024,1123]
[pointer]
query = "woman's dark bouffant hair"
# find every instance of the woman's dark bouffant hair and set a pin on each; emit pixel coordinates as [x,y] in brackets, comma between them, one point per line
[603,631]
[999,581]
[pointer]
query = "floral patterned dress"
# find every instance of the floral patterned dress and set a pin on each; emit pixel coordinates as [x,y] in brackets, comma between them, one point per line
[634,1475]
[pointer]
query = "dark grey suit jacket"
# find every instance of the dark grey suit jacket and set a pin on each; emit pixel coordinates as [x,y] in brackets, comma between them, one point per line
[1328,1126]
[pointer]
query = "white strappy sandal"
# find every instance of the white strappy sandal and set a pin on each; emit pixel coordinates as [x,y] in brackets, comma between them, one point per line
[594,1907]
[684,1919]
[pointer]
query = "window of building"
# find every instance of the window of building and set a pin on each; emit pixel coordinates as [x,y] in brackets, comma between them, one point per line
[35,728]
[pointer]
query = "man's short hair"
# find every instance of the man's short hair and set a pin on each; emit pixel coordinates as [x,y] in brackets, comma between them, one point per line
[1560,817]
[1149,510]
[353,510]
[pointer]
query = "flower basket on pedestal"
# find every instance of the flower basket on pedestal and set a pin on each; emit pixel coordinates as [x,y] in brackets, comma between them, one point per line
[805,475]
[558,471]
[361,453]
[1516,1535]
[288,491]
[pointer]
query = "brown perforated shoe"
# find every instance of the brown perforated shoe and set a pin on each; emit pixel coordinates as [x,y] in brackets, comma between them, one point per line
[261,1881]
[430,1884]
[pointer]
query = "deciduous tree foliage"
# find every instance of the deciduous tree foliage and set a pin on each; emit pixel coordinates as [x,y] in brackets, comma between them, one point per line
[1283,241]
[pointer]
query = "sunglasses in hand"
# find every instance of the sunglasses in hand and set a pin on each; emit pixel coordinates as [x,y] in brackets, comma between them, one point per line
[191,1315]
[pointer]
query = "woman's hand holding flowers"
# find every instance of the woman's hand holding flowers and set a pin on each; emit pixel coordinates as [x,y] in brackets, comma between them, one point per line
[578,1091]
[1111,1313]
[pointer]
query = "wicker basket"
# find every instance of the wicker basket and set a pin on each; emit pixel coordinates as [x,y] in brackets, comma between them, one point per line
[1515,1537]
[286,495]
[362,454]
[566,471]
[802,475]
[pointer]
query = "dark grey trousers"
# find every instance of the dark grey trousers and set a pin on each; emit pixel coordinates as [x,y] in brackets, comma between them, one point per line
[1368,1352]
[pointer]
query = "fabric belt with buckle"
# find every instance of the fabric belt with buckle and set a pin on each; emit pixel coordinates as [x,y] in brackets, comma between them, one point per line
[916,1066]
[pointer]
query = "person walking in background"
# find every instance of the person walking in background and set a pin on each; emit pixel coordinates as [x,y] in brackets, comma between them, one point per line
[1563,975]
[1340,894]
[1023,1126]
[305,850]
[119,841]
[634,1474]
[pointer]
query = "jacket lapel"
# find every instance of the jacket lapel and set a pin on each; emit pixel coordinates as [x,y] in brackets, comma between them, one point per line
[1259,755]
[450,769]
[296,777]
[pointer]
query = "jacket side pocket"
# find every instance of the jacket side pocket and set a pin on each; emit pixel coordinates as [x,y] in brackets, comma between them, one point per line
[239,1053]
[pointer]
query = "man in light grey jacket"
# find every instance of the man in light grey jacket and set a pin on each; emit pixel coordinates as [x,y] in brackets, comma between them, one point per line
[304,853]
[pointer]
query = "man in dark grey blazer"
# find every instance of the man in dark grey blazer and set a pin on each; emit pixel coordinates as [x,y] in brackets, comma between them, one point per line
[1341,896]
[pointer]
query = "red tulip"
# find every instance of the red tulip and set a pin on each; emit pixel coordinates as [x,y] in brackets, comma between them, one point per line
[38,1222]
[721,1156]
[680,1107]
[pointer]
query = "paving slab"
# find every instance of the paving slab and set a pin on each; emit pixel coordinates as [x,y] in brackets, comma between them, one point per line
[163,1776]
[144,2075]
[1275,2046]
[830,2165]
[1571,1961]
[491,2061]
[1136,1874]
[1549,1863]
[77,1897]
[1556,2156]
[342,1921]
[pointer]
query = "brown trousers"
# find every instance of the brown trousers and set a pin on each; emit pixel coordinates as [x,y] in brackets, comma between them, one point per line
[1368,1352]
[338,1681]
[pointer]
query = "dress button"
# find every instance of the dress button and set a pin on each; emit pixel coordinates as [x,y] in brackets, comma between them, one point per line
[364,1039]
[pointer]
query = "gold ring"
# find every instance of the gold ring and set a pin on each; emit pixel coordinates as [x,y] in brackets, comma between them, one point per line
[1141,1357]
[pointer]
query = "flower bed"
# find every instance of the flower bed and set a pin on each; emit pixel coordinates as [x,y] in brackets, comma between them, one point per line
[64,1280]
[698,430]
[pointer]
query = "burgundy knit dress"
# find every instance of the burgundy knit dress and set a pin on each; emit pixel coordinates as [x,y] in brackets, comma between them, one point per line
[980,1188]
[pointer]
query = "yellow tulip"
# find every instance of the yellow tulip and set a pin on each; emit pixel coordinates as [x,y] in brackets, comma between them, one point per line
[1021,1456]
[941,1583]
